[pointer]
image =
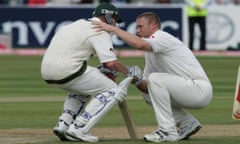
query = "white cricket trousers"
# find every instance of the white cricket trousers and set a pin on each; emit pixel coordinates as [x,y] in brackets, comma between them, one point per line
[168,92]
[92,82]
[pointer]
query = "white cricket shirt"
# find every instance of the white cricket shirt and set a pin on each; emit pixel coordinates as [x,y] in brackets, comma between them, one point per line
[170,55]
[73,44]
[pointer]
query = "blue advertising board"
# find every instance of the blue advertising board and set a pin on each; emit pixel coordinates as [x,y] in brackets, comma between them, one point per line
[33,27]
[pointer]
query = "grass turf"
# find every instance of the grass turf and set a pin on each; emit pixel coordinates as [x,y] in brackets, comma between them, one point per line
[20,76]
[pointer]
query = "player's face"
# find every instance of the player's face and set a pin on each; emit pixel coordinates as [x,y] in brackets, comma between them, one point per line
[114,21]
[143,27]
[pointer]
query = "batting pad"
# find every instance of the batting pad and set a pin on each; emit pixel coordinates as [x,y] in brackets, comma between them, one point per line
[105,103]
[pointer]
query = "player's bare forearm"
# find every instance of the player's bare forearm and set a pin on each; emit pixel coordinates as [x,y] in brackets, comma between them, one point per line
[142,86]
[117,66]
[132,40]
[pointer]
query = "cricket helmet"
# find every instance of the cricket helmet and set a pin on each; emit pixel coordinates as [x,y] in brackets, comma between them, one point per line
[109,11]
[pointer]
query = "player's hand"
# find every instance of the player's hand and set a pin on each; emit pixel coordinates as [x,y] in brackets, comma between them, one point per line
[136,73]
[108,72]
[100,26]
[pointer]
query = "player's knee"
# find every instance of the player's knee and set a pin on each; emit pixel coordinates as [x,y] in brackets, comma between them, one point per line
[154,77]
[157,80]
[158,77]
[106,96]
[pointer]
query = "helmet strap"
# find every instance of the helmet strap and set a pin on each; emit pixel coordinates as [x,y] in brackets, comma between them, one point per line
[108,18]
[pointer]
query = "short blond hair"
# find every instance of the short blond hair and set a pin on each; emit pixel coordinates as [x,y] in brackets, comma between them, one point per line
[151,17]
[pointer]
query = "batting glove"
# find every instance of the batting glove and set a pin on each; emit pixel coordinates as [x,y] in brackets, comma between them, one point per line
[108,72]
[136,73]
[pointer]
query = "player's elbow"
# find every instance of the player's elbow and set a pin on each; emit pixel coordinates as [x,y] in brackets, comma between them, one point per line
[111,64]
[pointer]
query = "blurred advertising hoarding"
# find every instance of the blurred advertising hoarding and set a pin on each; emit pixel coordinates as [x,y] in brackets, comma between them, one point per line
[223,27]
[33,27]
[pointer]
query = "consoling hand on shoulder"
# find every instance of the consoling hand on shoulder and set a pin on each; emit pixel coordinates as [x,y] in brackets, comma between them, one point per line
[100,26]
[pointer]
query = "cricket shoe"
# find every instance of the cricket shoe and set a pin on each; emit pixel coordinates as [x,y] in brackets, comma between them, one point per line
[60,131]
[188,129]
[75,132]
[160,136]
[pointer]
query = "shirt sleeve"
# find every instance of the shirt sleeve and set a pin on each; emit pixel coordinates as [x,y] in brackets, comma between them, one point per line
[158,42]
[103,46]
[162,42]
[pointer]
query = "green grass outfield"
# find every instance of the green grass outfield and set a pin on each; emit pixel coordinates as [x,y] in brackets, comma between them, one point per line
[27,102]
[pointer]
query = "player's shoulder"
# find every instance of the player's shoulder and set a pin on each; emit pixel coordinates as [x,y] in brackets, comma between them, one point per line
[164,34]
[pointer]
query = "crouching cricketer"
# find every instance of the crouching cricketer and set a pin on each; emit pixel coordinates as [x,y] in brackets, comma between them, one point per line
[65,65]
[173,79]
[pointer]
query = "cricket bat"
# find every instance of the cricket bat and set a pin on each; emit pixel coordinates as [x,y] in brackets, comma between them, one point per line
[236,101]
[127,116]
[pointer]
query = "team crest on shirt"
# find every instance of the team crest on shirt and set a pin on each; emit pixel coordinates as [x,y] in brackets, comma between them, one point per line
[111,49]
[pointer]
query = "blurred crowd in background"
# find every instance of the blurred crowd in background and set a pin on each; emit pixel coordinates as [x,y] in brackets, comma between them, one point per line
[137,2]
